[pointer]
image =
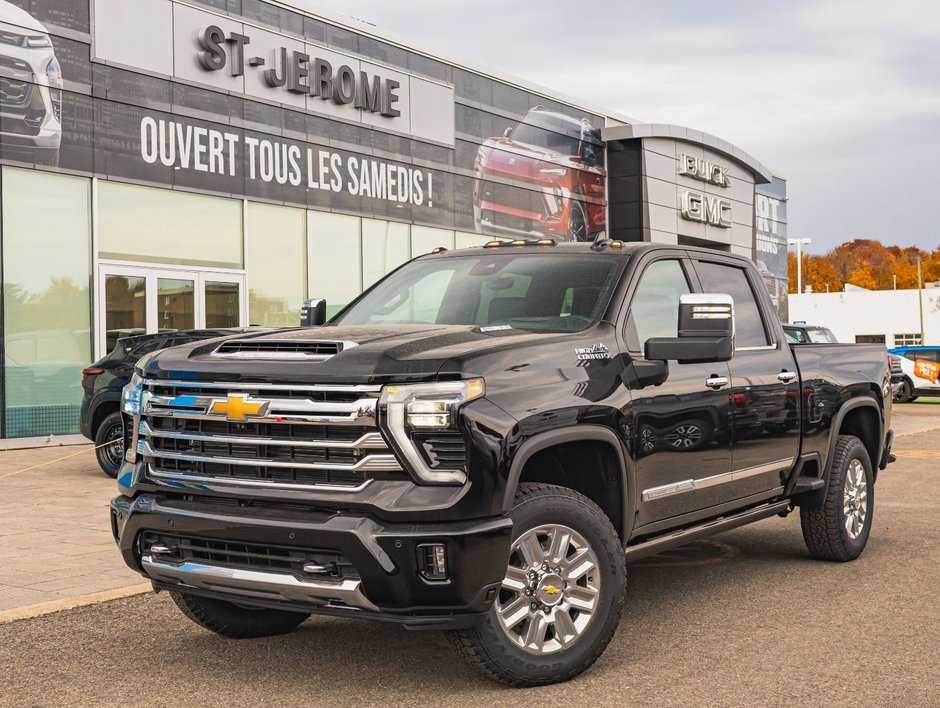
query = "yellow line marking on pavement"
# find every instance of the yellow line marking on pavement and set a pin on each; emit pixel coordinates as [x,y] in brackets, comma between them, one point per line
[917,454]
[58,459]
[68,603]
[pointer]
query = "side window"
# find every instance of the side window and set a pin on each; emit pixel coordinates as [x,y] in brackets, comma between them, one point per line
[654,309]
[912,355]
[731,280]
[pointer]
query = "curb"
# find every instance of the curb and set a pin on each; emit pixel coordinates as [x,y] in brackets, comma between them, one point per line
[69,603]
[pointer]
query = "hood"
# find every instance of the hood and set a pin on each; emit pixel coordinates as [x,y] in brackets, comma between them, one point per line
[13,15]
[370,354]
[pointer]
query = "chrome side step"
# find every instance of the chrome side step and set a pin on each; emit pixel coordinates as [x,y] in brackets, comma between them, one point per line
[709,528]
[239,582]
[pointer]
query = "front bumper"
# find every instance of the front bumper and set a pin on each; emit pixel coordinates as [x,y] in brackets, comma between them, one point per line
[387,584]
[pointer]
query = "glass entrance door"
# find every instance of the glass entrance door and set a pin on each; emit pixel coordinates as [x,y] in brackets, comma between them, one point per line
[144,300]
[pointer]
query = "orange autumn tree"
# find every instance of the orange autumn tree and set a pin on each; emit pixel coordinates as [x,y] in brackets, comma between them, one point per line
[866,264]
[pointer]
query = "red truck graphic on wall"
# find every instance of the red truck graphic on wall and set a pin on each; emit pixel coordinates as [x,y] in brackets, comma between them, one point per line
[543,177]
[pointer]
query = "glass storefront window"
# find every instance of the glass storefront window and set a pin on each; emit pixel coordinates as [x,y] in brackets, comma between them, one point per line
[165,226]
[176,300]
[221,304]
[385,246]
[425,239]
[125,307]
[46,304]
[275,264]
[464,239]
[334,258]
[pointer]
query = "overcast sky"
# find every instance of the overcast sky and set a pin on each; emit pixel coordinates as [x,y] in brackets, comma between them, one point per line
[841,98]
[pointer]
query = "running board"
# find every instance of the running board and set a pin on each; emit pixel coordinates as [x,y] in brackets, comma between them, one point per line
[709,528]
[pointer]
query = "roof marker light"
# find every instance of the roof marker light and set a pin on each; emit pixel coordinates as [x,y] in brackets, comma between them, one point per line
[439,250]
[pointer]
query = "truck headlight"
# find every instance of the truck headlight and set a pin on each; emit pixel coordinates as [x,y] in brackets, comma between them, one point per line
[131,394]
[428,407]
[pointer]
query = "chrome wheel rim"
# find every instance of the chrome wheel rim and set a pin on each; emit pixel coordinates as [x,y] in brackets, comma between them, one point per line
[855,499]
[551,591]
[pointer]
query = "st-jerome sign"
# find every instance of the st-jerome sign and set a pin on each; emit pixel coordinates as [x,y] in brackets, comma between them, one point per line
[298,72]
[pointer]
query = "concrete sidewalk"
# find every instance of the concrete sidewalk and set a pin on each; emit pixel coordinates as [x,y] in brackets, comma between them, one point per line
[55,537]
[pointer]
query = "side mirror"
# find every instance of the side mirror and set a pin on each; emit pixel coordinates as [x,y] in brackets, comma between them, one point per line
[508,132]
[706,331]
[313,312]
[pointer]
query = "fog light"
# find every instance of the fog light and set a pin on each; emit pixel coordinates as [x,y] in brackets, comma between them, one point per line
[432,561]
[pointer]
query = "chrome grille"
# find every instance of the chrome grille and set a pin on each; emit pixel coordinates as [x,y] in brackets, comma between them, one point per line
[261,436]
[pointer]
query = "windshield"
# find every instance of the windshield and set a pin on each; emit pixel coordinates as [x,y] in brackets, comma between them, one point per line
[821,335]
[542,293]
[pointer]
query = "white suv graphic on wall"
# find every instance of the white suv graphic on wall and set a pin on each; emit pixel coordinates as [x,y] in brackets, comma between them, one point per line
[30,89]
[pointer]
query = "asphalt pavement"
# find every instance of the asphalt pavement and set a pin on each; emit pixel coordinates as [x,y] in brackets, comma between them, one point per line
[746,618]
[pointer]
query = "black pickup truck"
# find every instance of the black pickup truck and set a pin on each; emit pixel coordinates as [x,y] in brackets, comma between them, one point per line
[485,439]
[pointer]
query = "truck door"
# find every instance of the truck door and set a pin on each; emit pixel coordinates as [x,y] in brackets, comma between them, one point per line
[679,428]
[765,391]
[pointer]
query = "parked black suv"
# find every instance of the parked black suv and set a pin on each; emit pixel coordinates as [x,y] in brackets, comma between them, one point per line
[481,442]
[102,383]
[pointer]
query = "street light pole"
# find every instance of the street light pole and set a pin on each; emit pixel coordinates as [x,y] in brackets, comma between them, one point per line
[799,242]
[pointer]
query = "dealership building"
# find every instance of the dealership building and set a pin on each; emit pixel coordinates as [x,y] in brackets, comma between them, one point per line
[212,163]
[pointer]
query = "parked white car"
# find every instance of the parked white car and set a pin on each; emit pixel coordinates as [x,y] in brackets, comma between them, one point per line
[920,370]
[30,89]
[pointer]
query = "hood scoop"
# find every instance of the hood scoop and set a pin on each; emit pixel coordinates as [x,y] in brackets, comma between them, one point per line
[302,350]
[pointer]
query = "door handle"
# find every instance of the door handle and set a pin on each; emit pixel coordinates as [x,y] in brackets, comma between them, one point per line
[786,376]
[716,382]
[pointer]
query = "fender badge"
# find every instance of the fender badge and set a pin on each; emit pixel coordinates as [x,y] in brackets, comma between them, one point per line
[595,351]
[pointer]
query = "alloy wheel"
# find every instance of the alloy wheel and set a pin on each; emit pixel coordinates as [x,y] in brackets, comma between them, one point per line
[855,499]
[551,591]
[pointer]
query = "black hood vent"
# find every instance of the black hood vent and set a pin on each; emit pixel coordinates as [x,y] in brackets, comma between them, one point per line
[281,349]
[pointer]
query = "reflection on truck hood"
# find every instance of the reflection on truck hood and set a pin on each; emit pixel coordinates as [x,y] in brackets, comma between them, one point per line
[370,354]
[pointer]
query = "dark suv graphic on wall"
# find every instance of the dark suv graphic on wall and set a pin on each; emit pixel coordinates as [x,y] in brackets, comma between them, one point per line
[30,89]
[543,177]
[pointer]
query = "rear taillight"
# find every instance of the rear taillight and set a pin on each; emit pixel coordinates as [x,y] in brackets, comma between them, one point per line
[88,374]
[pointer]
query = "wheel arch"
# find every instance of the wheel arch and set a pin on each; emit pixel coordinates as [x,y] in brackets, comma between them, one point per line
[105,407]
[565,441]
[860,417]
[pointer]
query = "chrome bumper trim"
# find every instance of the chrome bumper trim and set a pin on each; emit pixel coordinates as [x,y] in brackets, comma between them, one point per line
[206,483]
[258,584]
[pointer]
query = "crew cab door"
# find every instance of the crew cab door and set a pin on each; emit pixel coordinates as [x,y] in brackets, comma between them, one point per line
[680,427]
[765,387]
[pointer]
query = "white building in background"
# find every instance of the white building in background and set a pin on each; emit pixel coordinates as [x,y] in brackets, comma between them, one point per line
[891,317]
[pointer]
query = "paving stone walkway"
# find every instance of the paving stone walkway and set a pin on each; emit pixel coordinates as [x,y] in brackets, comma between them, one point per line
[55,537]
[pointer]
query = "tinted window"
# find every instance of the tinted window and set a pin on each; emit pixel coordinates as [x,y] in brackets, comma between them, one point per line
[654,309]
[797,334]
[748,324]
[926,355]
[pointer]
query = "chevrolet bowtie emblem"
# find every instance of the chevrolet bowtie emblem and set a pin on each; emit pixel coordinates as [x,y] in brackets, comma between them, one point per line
[238,407]
[551,589]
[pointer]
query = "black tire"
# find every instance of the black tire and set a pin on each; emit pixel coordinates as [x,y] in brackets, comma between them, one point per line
[826,527]
[489,647]
[110,456]
[237,622]
[905,392]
